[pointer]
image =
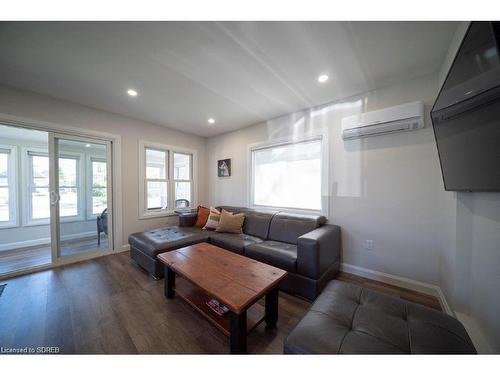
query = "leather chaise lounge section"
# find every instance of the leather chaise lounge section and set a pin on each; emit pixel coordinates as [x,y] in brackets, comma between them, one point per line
[303,245]
[350,319]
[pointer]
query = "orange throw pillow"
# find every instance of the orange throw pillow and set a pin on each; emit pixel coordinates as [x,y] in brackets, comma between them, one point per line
[201,216]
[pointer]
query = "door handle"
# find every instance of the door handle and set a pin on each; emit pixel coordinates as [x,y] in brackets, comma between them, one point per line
[54,198]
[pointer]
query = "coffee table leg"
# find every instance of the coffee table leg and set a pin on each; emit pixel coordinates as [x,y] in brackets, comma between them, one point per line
[169,282]
[238,338]
[272,308]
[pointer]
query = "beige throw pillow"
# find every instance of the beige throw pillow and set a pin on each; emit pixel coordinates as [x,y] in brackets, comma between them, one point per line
[230,223]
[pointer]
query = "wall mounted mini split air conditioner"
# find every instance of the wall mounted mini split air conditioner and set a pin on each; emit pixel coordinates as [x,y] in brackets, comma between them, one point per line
[404,117]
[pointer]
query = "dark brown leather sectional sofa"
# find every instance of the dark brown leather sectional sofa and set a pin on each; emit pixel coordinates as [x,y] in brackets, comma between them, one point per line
[303,245]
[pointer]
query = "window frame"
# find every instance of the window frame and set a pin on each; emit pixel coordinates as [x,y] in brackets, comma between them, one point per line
[89,174]
[28,152]
[80,190]
[28,186]
[166,179]
[12,178]
[144,212]
[325,194]
[190,180]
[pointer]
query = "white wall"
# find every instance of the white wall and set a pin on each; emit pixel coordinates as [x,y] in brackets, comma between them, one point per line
[42,108]
[470,265]
[476,259]
[387,188]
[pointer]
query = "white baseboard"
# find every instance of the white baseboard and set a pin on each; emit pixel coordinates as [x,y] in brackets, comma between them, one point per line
[125,248]
[43,241]
[444,303]
[402,282]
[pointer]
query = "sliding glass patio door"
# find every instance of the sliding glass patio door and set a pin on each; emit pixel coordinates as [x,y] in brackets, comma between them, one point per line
[55,198]
[80,196]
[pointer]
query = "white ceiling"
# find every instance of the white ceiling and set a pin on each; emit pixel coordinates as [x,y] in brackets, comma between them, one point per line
[240,73]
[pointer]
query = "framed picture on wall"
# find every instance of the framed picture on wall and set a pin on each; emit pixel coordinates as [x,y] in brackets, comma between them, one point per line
[224,168]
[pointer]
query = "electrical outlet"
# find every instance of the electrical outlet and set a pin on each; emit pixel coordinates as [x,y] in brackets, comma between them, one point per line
[369,245]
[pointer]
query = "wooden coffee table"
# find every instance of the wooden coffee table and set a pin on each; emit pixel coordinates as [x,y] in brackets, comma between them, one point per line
[238,282]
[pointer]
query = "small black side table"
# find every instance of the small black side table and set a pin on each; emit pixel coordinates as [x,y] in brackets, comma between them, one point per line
[187,217]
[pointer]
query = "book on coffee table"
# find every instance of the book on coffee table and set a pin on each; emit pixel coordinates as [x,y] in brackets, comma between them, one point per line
[217,307]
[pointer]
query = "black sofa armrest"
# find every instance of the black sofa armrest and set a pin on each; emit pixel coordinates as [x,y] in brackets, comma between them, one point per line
[187,220]
[317,250]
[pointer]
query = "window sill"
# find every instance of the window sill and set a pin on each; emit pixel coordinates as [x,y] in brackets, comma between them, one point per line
[155,215]
[36,223]
[300,211]
[8,226]
[71,219]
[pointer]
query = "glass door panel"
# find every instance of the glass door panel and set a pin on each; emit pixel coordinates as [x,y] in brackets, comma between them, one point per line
[81,197]
[24,199]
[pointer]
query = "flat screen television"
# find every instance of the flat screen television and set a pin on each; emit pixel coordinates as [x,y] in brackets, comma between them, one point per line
[466,114]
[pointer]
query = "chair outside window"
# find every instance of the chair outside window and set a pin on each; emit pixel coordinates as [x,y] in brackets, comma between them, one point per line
[102,225]
[181,203]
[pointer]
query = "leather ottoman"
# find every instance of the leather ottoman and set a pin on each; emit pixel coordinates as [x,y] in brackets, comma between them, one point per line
[145,246]
[349,319]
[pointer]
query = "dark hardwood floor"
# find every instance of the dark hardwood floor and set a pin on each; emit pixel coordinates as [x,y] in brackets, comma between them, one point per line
[408,295]
[109,305]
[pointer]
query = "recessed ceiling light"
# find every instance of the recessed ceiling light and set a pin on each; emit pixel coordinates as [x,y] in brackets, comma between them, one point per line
[323,78]
[87,145]
[132,92]
[211,121]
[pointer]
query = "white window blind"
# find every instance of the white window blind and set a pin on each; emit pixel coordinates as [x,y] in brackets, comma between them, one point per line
[288,175]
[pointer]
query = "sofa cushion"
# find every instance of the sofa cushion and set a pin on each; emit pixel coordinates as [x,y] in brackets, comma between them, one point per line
[160,240]
[347,318]
[288,227]
[278,254]
[234,209]
[257,223]
[233,242]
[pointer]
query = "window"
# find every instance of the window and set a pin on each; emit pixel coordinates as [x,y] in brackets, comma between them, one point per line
[167,179]
[69,189]
[182,180]
[38,187]
[288,175]
[156,179]
[25,191]
[4,186]
[7,186]
[99,200]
